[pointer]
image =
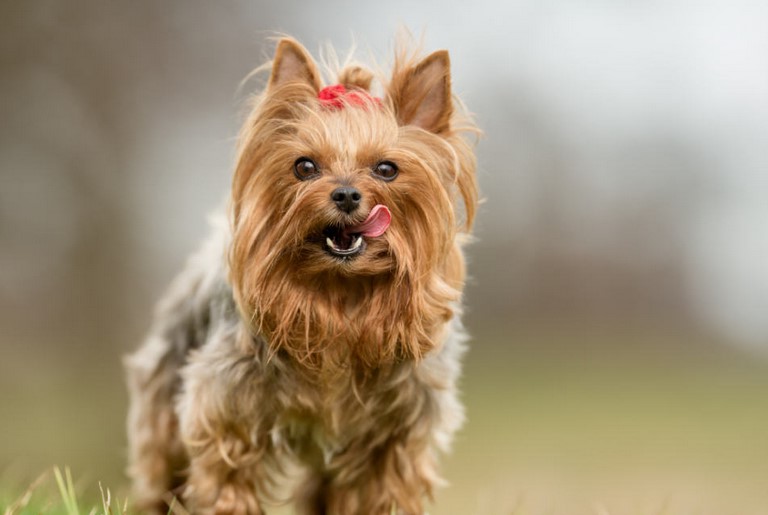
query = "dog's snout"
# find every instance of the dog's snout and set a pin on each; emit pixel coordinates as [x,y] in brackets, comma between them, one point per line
[346,198]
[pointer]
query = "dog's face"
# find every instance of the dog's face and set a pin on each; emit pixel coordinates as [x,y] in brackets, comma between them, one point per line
[335,196]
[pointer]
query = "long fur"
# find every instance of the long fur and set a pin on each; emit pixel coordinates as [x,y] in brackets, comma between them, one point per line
[268,352]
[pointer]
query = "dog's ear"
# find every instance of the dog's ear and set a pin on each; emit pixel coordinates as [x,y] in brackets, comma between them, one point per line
[421,94]
[292,63]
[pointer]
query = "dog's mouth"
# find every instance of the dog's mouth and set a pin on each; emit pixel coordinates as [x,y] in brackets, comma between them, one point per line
[347,241]
[339,242]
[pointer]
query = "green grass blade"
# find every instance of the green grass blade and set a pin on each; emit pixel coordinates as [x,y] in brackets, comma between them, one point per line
[106,501]
[67,490]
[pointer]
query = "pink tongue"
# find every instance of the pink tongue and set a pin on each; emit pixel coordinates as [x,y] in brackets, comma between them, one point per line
[375,225]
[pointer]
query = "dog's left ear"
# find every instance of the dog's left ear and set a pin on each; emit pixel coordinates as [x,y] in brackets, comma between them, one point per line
[292,63]
[421,95]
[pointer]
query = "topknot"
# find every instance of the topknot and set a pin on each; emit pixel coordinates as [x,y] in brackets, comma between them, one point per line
[356,76]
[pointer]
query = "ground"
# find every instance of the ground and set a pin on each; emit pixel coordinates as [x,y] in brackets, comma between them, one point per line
[568,422]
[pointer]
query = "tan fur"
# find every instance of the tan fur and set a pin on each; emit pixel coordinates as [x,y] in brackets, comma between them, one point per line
[269,353]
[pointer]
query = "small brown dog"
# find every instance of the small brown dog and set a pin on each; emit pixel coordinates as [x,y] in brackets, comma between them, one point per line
[320,326]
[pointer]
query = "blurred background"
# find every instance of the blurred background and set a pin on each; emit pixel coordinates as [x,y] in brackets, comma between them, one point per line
[619,278]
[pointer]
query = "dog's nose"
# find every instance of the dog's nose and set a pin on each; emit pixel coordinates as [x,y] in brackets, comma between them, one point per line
[346,198]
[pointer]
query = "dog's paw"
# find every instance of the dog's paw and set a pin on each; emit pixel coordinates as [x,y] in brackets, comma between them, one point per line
[236,500]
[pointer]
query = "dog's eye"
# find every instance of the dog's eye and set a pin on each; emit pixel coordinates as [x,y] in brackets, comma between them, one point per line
[386,170]
[304,168]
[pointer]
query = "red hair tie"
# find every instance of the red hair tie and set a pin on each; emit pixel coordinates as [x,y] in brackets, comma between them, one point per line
[336,96]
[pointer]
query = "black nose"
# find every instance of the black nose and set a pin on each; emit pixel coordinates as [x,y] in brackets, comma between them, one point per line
[346,198]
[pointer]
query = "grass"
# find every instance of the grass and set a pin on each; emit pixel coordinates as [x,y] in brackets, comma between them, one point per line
[54,493]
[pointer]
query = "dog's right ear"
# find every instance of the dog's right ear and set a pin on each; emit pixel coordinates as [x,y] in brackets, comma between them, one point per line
[292,63]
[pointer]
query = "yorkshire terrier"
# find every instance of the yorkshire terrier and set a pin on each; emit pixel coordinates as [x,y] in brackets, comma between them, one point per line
[317,332]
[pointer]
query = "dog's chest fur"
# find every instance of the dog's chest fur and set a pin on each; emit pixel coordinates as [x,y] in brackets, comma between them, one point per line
[311,423]
[317,414]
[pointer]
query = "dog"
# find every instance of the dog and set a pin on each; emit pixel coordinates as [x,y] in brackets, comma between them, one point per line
[317,335]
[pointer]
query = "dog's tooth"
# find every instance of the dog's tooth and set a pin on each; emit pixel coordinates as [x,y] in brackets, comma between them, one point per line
[358,242]
[330,243]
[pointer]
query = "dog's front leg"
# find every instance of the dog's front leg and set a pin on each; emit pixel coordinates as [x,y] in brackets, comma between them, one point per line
[220,421]
[218,486]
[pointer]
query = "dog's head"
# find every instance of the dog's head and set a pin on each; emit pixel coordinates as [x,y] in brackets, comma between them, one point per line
[347,207]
